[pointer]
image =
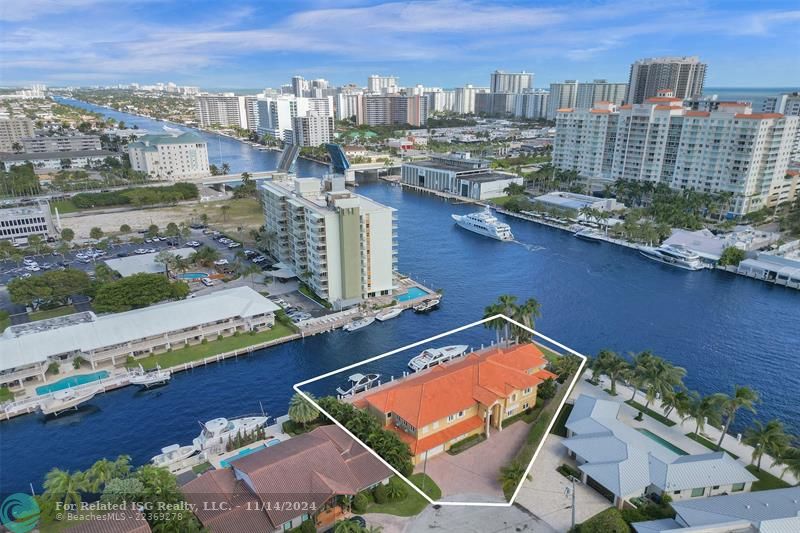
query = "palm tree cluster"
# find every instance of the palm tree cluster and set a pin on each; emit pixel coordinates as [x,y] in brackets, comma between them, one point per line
[660,379]
[363,425]
[115,482]
[525,313]
[301,411]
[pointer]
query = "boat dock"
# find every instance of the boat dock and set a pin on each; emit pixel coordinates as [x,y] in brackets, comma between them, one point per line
[455,198]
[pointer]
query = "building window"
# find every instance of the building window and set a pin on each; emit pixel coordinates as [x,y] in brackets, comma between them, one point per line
[697,493]
[737,487]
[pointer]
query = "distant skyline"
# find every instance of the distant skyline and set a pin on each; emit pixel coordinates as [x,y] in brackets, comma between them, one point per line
[444,43]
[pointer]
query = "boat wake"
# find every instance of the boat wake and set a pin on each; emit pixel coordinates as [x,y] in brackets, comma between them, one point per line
[529,247]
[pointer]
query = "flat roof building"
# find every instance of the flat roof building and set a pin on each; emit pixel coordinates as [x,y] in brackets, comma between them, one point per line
[143,263]
[61,143]
[26,350]
[342,244]
[22,221]
[170,156]
[46,161]
[12,131]
[459,174]
[574,202]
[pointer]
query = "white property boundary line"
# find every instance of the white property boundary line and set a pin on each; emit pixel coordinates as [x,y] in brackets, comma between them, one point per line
[583,358]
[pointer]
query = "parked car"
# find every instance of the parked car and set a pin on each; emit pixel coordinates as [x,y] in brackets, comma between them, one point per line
[193,244]
[220,262]
[250,253]
[207,282]
[234,245]
[26,275]
[139,251]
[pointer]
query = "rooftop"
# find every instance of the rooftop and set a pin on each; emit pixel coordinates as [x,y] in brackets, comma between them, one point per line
[116,329]
[151,142]
[143,263]
[5,156]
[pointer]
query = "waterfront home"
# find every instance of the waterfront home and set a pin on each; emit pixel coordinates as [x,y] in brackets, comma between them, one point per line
[433,409]
[281,486]
[26,350]
[752,512]
[624,463]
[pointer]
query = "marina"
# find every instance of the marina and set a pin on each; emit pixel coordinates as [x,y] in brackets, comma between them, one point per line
[578,284]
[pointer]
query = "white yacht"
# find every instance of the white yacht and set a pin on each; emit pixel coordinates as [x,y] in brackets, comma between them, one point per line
[358,324]
[219,431]
[589,234]
[172,454]
[426,306]
[675,255]
[434,356]
[486,224]
[65,400]
[388,315]
[359,383]
[150,378]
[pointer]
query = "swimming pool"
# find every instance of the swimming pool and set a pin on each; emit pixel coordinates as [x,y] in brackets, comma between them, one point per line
[665,443]
[225,463]
[413,292]
[193,275]
[72,381]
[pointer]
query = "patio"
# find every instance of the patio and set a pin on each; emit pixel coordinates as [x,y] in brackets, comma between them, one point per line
[475,470]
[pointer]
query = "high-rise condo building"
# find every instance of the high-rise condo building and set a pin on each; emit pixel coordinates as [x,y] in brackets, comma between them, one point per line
[226,110]
[510,82]
[300,87]
[684,76]
[394,109]
[276,114]
[12,131]
[787,104]
[533,104]
[348,105]
[382,84]
[313,129]
[343,245]
[562,95]
[730,150]
[589,94]
[465,98]
[170,156]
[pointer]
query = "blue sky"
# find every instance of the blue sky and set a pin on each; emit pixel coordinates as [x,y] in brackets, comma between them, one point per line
[442,43]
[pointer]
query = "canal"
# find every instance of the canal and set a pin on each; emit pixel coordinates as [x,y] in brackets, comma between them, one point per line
[724,329]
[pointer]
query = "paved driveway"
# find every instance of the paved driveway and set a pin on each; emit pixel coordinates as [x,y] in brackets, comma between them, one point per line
[474,519]
[544,495]
[476,470]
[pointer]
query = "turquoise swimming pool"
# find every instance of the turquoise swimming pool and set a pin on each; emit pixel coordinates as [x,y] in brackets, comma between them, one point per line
[226,463]
[193,275]
[413,292]
[665,443]
[72,381]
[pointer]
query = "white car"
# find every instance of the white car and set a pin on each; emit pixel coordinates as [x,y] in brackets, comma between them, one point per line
[207,282]
[220,262]
[26,275]
[32,268]
[28,262]
[139,251]
[234,245]
[193,244]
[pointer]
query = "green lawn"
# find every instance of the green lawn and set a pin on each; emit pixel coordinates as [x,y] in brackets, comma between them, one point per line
[52,313]
[503,200]
[649,412]
[708,444]
[5,394]
[413,503]
[766,481]
[201,351]
[63,206]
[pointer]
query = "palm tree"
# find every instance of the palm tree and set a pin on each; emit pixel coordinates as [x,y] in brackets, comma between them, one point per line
[743,397]
[766,438]
[205,256]
[661,379]
[612,365]
[347,526]
[640,361]
[301,411]
[497,325]
[511,475]
[65,486]
[226,168]
[706,409]
[99,474]
[789,457]
[526,314]
[678,401]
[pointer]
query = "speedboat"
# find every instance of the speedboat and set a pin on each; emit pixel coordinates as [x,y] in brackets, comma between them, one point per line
[486,224]
[172,454]
[358,324]
[219,431]
[358,383]
[434,356]
[388,315]
[674,255]
[65,400]
[149,378]
[427,306]
[589,235]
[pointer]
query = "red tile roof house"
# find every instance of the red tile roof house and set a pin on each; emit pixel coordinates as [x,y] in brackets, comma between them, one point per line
[433,409]
[277,488]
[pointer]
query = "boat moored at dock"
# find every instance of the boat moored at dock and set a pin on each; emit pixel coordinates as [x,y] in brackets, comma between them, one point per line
[217,432]
[427,306]
[589,235]
[66,400]
[674,255]
[172,454]
[486,224]
[388,315]
[358,324]
[433,356]
[359,383]
[149,378]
